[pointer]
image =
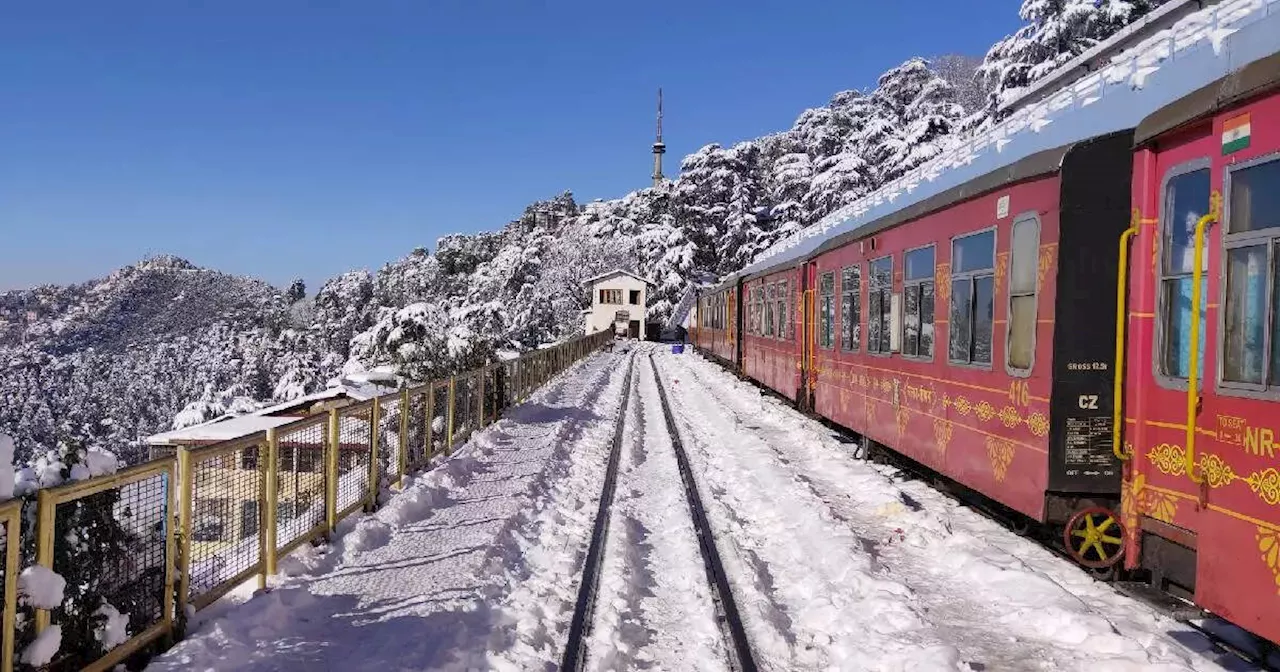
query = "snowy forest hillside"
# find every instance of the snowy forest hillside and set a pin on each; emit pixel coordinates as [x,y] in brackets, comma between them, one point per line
[111,361]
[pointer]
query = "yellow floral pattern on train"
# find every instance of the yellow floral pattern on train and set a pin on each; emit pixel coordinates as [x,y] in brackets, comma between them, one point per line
[942,430]
[1171,459]
[1000,452]
[1269,545]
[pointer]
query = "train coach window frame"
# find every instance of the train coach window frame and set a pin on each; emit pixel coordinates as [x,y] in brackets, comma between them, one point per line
[1166,275]
[1031,256]
[920,284]
[971,277]
[880,305]
[770,293]
[851,308]
[1267,237]
[780,309]
[793,290]
[826,310]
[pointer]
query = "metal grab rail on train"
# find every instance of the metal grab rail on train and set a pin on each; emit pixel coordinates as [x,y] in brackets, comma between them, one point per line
[1193,380]
[1122,315]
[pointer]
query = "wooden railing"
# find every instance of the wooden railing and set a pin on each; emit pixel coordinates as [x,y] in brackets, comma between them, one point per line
[187,528]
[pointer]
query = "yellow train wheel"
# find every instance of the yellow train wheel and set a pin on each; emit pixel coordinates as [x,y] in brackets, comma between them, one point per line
[1095,537]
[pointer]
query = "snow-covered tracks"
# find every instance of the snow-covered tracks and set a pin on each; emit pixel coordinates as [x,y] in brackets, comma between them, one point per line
[654,592]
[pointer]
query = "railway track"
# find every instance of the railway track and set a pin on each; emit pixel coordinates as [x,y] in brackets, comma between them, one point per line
[734,646]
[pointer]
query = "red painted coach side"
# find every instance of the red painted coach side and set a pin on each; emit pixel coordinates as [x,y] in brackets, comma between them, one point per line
[771,331]
[976,424]
[1228,508]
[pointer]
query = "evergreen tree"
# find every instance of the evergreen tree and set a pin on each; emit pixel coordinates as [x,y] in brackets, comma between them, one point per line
[1056,32]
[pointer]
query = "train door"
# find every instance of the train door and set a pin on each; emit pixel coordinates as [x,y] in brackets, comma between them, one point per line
[731,328]
[808,338]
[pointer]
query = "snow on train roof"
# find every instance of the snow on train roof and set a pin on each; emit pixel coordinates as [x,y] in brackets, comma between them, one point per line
[1200,48]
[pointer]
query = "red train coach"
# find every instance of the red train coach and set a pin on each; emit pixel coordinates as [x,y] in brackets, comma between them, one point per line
[1202,492]
[937,331]
[771,331]
[932,331]
[716,326]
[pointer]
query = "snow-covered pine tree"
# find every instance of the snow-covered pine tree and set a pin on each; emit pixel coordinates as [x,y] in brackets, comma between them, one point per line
[1056,32]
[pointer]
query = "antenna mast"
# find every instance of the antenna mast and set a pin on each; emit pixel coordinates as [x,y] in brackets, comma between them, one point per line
[658,147]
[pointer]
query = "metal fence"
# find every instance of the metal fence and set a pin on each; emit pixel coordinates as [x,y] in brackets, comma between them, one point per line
[161,540]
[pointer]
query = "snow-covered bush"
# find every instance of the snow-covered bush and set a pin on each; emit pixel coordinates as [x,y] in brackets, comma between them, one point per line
[103,552]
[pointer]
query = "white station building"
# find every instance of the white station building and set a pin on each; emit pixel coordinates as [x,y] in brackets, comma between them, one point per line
[618,300]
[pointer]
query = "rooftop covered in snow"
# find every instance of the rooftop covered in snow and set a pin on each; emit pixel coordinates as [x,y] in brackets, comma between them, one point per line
[222,429]
[356,387]
[615,272]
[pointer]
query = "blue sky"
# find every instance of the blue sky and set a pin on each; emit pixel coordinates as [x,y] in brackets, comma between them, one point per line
[287,139]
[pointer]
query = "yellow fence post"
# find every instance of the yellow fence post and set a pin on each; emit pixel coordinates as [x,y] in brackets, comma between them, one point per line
[186,490]
[268,538]
[13,534]
[45,519]
[448,445]
[402,455]
[331,470]
[375,416]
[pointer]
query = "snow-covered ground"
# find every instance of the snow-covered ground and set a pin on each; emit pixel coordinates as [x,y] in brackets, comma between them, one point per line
[840,564]
[835,563]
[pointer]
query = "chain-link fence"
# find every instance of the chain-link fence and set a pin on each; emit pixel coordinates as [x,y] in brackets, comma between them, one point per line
[209,518]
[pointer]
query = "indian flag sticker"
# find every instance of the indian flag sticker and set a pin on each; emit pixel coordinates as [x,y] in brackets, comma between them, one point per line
[1235,134]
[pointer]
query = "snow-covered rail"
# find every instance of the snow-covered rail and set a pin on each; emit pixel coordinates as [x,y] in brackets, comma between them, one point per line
[576,648]
[653,590]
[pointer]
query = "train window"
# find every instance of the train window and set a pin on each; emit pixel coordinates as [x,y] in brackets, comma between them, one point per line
[1255,197]
[826,309]
[757,312]
[851,308]
[768,309]
[1024,259]
[780,303]
[918,290]
[791,310]
[879,302]
[758,308]
[1245,314]
[1186,200]
[1250,353]
[972,297]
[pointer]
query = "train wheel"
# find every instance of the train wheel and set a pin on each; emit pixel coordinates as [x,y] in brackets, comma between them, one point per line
[1095,537]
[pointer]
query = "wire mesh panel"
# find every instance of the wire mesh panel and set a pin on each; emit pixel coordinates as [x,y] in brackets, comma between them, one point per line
[494,392]
[417,448]
[464,402]
[111,538]
[300,480]
[509,386]
[389,445]
[439,438]
[355,449]
[222,546]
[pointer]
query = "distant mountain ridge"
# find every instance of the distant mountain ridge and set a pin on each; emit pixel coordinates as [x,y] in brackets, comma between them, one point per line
[111,361]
